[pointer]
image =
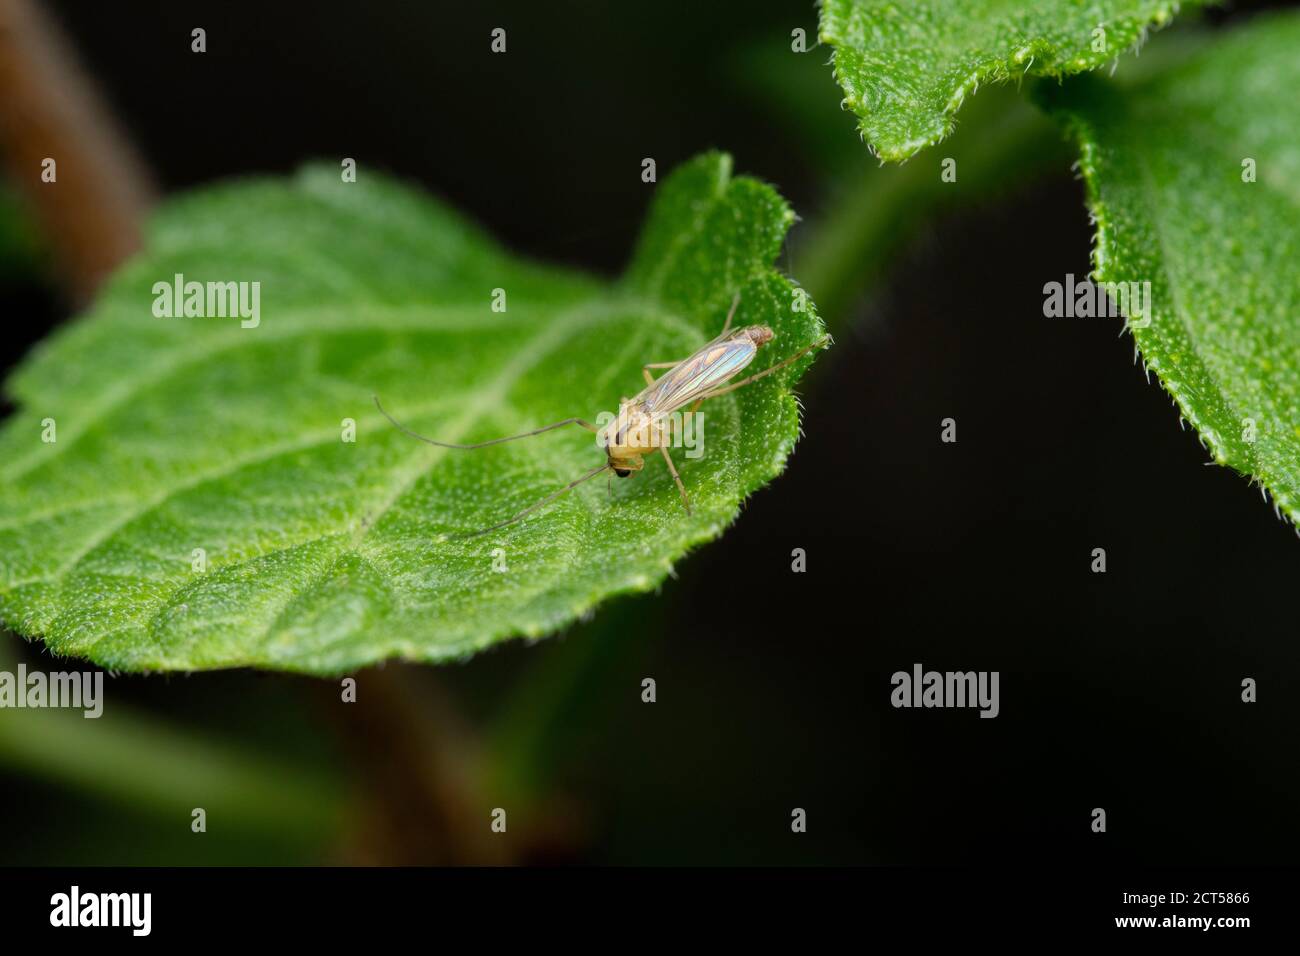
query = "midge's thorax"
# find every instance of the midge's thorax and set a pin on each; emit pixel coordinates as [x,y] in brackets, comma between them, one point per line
[642,425]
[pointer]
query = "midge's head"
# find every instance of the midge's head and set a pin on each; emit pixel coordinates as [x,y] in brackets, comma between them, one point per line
[625,465]
[758,334]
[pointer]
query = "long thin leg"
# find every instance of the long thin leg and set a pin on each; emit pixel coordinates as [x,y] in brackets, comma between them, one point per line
[820,343]
[495,441]
[645,369]
[545,501]
[686,499]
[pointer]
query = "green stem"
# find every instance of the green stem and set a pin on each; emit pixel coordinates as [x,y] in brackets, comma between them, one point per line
[1003,143]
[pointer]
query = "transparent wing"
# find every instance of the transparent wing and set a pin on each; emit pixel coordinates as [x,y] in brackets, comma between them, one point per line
[710,366]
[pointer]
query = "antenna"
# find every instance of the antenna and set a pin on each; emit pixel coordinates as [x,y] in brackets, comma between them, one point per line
[547,500]
[482,444]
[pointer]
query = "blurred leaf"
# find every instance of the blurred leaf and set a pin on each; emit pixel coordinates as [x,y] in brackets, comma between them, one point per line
[324,555]
[869,213]
[1164,160]
[21,252]
[905,68]
[1003,145]
[128,758]
[796,93]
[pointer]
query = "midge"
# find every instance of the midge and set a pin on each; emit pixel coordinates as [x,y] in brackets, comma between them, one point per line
[641,426]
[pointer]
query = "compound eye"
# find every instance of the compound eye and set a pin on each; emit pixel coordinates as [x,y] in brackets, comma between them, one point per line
[623,472]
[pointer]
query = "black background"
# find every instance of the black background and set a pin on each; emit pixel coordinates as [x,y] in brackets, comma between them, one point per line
[1118,690]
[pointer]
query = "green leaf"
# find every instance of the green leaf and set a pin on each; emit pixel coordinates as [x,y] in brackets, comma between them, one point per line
[175,434]
[906,67]
[1163,161]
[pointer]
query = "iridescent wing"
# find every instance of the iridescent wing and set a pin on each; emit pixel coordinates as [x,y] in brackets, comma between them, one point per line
[712,365]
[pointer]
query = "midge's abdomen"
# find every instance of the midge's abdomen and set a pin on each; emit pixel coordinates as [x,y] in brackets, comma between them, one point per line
[708,367]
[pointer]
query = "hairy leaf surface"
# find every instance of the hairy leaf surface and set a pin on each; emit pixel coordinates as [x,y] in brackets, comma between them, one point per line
[1167,163]
[201,508]
[906,67]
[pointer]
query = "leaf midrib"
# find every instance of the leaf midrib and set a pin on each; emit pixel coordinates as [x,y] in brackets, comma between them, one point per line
[554,334]
[419,320]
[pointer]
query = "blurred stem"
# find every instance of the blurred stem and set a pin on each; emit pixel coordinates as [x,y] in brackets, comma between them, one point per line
[124,755]
[1003,143]
[49,109]
[557,707]
[562,679]
[424,800]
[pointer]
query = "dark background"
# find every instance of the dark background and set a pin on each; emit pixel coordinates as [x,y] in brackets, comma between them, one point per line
[1118,690]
